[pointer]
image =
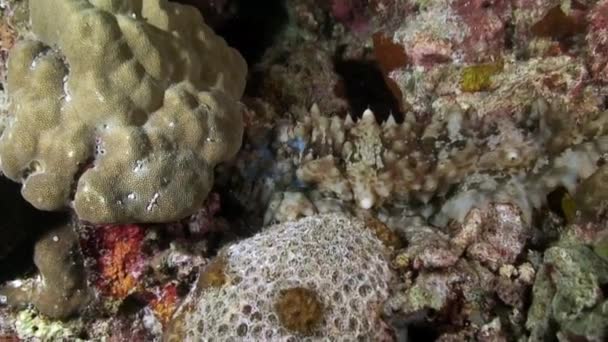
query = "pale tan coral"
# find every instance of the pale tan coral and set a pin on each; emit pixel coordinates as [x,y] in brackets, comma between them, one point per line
[528,192]
[334,256]
[373,163]
[377,163]
[129,105]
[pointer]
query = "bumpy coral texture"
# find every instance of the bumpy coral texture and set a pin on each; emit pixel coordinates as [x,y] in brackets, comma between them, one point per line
[331,255]
[118,106]
[60,290]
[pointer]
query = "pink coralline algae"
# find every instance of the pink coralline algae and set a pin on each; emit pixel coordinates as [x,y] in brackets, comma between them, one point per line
[351,13]
[486,25]
[165,302]
[501,236]
[597,39]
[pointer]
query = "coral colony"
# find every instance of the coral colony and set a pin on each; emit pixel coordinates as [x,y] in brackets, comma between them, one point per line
[305,170]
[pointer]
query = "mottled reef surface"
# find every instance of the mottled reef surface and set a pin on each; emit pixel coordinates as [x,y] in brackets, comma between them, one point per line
[304,170]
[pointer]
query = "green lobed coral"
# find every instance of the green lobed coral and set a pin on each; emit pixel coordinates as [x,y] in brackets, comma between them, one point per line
[123,107]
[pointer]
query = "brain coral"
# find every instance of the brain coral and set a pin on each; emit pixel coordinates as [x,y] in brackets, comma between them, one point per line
[322,277]
[124,107]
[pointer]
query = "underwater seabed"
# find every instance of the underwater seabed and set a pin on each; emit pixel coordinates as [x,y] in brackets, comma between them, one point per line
[305,170]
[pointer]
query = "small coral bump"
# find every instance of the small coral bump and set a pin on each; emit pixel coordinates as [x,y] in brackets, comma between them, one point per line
[214,274]
[299,310]
[390,122]
[388,237]
[315,111]
[368,116]
[348,121]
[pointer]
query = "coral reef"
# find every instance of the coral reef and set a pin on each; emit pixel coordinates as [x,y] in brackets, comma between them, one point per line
[104,114]
[467,137]
[329,263]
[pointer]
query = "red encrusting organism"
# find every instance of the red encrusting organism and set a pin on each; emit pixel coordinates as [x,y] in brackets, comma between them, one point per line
[119,259]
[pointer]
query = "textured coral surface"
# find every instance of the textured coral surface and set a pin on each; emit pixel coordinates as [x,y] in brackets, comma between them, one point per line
[333,256]
[120,110]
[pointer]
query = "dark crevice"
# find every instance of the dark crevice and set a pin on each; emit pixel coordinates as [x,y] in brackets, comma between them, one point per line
[235,213]
[554,201]
[604,290]
[509,35]
[253,27]
[364,87]
[416,326]
[9,269]
[604,104]
[131,305]
[25,224]
[82,168]
[422,332]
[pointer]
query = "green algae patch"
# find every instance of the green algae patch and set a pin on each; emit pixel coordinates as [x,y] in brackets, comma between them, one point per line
[477,78]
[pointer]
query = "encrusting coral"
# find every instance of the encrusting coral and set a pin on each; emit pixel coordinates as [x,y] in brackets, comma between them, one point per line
[333,271]
[118,106]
